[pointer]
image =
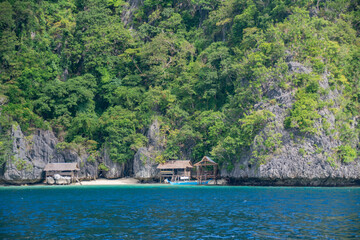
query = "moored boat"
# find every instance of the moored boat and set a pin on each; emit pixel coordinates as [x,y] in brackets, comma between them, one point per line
[187,182]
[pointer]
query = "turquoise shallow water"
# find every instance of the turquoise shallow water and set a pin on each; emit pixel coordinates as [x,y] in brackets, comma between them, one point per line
[168,212]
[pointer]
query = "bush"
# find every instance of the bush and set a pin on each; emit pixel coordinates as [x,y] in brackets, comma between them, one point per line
[103,167]
[253,123]
[312,87]
[304,113]
[302,151]
[346,153]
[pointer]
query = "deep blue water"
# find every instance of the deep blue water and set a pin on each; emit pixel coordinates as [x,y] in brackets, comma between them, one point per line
[177,212]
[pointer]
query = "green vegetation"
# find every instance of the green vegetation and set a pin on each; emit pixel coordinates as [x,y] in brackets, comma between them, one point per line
[332,162]
[304,113]
[302,152]
[103,167]
[346,153]
[199,67]
[21,164]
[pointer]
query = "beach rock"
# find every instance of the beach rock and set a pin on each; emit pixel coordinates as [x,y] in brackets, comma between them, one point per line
[144,165]
[57,176]
[221,181]
[67,179]
[50,180]
[61,181]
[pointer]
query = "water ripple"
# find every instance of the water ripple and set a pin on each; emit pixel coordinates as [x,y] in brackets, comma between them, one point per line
[164,212]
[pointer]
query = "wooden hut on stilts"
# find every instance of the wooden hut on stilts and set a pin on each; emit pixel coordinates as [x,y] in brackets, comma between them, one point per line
[175,169]
[206,169]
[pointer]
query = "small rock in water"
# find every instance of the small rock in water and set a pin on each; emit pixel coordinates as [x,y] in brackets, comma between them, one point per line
[218,182]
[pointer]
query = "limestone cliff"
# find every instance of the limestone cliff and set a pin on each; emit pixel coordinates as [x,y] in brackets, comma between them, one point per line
[144,161]
[31,153]
[301,159]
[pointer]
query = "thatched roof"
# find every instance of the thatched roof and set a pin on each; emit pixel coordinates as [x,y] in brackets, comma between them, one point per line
[176,164]
[206,161]
[61,167]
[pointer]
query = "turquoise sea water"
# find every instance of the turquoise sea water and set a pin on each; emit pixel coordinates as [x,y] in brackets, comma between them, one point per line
[177,212]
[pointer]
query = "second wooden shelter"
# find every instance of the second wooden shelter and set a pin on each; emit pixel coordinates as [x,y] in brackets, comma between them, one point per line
[176,170]
[206,169]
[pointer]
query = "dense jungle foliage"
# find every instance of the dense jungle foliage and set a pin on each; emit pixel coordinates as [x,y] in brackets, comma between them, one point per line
[99,72]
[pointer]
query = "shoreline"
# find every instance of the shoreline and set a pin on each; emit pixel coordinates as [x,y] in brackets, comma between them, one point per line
[248,182]
[109,182]
[96,182]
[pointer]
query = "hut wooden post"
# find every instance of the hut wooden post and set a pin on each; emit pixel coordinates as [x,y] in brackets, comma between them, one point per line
[198,177]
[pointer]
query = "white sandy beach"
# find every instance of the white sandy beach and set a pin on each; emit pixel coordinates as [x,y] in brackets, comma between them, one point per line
[120,181]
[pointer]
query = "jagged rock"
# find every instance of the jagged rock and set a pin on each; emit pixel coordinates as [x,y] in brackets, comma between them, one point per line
[32,153]
[298,68]
[313,12]
[3,100]
[88,170]
[129,9]
[19,169]
[116,170]
[50,180]
[144,165]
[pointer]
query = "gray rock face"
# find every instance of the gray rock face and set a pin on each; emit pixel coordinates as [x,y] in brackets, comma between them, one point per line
[128,12]
[32,153]
[302,159]
[20,168]
[116,170]
[144,165]
[298,68]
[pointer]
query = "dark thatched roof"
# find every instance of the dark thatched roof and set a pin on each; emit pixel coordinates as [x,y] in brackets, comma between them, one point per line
[206,161]
[176,164]
[61,167]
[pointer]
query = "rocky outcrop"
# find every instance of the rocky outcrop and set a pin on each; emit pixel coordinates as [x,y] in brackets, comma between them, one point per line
[116,170]
[301,159]
[26,163]
[31,153]
[144,161]
[144,164]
